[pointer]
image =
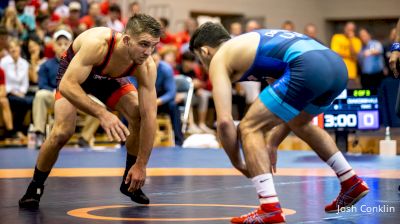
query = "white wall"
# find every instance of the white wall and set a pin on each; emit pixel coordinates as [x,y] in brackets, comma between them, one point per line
[275,12]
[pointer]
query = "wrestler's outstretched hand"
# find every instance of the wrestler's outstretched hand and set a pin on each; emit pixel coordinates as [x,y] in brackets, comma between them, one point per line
[136,177]
[113,126]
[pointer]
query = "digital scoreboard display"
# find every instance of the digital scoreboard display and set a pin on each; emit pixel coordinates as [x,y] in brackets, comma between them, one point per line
[352,109]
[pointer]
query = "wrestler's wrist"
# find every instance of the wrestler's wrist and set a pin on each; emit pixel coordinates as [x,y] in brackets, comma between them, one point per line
[141,163]
[101,113]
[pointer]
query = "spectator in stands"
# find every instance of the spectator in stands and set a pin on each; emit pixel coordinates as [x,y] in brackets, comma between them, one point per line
[167,37]
[57,9]
[17,82]
[347,45]
[42,24]
[166,92]
[27,20]
[169,54]
[73,21]
[182,38]
[235,29]
[92,18]
[105,6]
[11,22]
[3,41]
[387,52]
[250,89]
[311,31]
[113,20]
[34,53]
[288,25]
[134,8]
[202,92]
[371,61]
[44,98]
[5,105]
[252,25]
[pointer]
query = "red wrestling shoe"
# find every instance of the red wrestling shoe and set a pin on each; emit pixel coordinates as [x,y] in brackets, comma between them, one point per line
[266,213]
[352,191]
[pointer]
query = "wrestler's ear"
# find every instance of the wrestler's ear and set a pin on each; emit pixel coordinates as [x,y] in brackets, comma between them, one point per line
[126,40]
[204,51]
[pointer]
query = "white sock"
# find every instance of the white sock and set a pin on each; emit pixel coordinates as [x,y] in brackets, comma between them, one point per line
[341,167]
[265,188]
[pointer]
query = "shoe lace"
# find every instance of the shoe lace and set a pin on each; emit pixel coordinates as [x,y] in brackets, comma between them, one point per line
[344,195]
[250,214]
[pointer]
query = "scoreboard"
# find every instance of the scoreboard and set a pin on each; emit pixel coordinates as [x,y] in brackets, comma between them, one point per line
[352,109]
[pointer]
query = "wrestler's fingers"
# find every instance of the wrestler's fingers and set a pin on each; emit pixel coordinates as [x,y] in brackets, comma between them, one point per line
[120,133]
[109,135]
[115,135]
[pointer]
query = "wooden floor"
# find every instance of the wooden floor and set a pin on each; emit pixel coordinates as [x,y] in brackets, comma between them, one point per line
[190,186]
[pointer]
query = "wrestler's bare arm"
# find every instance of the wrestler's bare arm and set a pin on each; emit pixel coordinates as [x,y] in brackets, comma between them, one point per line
[91,51]
[146,76]
[89,54]
[222,94]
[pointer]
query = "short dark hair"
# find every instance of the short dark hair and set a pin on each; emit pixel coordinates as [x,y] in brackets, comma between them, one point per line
[188,56]
[115,8]
[164,21]
[210,34]
[142,23]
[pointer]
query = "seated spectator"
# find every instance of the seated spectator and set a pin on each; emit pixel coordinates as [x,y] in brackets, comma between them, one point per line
[166,92]
[34,53]
[114,16]
[3,41]
[93,17]
[311,31]
[73,21]
[42,25]
[168,54]
[28,20]
[252,25]
[202,92]
[371,61]
[44,98]
[11,22]
[387,52]
[167,37]
[288,25]
[16,71]
[235,29]
[250,90]
[182,38]
[5,105]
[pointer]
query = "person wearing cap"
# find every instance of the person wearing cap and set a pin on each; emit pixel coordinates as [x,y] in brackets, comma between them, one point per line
[73,20]
[44,97]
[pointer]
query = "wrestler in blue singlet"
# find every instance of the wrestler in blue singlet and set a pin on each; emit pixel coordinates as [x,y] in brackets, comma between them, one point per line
[309,75]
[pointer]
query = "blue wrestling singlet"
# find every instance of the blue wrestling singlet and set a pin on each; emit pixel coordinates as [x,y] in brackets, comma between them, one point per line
[309,75]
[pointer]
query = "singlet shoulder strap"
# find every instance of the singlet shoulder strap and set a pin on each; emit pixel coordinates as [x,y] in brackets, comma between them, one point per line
[130,69]
[111,44]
